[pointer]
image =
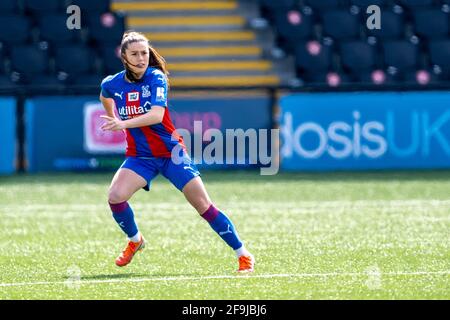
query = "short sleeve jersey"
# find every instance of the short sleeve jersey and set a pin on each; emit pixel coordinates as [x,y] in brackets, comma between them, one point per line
[135,99]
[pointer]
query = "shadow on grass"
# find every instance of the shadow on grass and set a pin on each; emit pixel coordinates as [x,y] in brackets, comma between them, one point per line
[210,176]
[336,176]
[133,276]
[114,276]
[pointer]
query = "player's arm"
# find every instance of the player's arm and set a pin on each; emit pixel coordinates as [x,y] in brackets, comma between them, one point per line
[154,116]
[108,104]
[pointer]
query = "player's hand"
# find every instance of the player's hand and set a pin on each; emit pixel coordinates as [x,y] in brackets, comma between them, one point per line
[112,124]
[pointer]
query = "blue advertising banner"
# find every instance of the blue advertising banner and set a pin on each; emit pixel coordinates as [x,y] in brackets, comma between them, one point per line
[365,131]
[60,132]
[8,135]
[63,133]
[200,116]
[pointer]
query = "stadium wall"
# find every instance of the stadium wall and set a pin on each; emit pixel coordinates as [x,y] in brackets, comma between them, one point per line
[62,132]
[362,131]
[8,136]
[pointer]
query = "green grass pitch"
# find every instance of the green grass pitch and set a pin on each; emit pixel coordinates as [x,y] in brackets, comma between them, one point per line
[383,235]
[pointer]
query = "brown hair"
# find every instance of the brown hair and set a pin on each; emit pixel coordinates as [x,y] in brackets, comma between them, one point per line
[155,59]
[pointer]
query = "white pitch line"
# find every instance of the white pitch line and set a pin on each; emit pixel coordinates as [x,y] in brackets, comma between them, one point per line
[262,204]
[244,276]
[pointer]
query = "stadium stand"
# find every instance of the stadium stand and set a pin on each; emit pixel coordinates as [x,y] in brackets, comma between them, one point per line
[431,23]
[8,7]
[341,24]
[37,7]
[17,30]
[315,42]
[357,57]
[205,43]
[52,28]
[393,25]
[411,46]
[440,58]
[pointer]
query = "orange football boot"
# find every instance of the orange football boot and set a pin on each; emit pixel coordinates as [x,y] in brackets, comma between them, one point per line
[128,253]
[246,264]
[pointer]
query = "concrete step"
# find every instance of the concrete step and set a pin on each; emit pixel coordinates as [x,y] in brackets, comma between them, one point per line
[171,21]
[203,36]
[227,93]
[194,28]
[177,13]
[194,43]
[205,42]
[161,6]
[204,51]
[208,59]
[221,73]
[216,66]
[186,23]
[224,81]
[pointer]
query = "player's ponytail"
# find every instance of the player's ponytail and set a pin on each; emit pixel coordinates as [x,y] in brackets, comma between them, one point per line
[155,59]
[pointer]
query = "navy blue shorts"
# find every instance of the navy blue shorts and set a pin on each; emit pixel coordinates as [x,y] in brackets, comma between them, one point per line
[177,173]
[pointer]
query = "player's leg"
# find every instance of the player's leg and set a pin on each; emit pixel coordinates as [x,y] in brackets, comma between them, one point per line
[124,184]
[186,178]
[195,192]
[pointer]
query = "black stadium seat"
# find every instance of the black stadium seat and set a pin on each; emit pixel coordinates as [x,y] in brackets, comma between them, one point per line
[2,60]
[53,28]
[8,7]
[293,26]
[38,7]
[91,79]
[440,55]
[107,28]
[331,79]
[415,3]
[48,81]
[392,26]
[92,7]
[358,56]
[29,61]
[431,23]
[5,81]
[401,54]
[313,57]
[341,24]
[323,5]
[269,8]
[279,4]
[376,77]
[111,61]
[15,29]
[422,77]
[364,4]
[74,60]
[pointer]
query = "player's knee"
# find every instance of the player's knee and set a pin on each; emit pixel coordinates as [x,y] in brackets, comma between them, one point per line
[203,205]
[117,196]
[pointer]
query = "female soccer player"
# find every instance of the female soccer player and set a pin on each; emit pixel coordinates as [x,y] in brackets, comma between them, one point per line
[140,95]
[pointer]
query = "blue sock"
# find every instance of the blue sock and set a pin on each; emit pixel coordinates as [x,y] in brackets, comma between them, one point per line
[123,214]
[223,226]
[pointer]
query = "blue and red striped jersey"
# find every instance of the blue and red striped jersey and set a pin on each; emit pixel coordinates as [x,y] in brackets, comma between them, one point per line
[135,99]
